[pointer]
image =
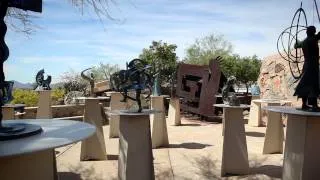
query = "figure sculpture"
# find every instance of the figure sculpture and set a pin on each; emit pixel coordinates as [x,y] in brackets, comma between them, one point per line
[43,84]
[135,77]
[308,87]
[228,97]
[90,79]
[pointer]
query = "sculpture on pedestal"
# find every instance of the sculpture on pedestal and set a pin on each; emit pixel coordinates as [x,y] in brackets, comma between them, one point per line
[135,78]
[229,97]
[43,84]
[90,79]
[14,130]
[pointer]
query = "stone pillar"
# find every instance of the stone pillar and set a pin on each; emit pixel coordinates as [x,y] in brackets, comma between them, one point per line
[273,141]
[135,156]
[174,111]
[94,147]
[159,125]
[115,105]
[255,114]
[44,105]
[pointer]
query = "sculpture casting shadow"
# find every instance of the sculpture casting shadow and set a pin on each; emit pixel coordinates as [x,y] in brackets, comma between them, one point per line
[135,78]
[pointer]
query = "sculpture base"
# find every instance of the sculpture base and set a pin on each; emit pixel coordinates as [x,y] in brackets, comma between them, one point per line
[18,130]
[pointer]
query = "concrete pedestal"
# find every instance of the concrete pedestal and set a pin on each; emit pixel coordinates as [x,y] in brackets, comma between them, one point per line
[174,111]
[234,153]
[34,157]
[135,156]
[44,105]
[115,104]
[302,146]
[94,147]
[255,110]
[273,141]
[7,112]
[159,125]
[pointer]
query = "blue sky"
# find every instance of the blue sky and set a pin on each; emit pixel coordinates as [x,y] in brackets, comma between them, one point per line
[68,39]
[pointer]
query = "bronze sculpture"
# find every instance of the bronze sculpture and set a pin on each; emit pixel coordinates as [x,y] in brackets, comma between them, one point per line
[135,77]
[308,87]
[228,97]
[90,80]
[43,84]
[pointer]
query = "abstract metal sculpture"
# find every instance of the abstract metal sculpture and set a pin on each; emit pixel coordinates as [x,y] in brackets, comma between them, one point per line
[12,130]
[90,80]
[43,84]
[228,97]
[135,77]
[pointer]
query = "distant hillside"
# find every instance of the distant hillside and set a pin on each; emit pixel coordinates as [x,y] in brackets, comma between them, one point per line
[19,85]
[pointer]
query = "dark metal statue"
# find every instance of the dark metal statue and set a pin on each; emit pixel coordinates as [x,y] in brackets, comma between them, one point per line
[228,97]
[308,87]
[90,79]
[43,84]
[14,130]
[135,77]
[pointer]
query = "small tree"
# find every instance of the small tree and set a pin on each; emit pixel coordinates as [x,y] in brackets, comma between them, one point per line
[163,59]
[103,71]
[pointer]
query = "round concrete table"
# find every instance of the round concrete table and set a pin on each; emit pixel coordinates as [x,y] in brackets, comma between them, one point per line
[255,119]
[234,153]
[34,157]
[302,146]
[135,146]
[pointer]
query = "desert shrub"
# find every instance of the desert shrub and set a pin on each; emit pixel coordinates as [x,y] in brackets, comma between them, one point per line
[57,96]
[27,97]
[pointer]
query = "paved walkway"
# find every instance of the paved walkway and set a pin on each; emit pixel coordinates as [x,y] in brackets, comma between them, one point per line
[195,153]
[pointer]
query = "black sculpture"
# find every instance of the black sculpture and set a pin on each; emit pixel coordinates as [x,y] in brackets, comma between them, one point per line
[90,79]
[13,130]
[135,77]
[43,84]
[228,97]
[308,87]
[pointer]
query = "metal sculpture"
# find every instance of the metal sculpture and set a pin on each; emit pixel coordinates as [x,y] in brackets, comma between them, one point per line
[43,84]
[306,52]
[135,78]
[12,130]
[228,97]
[90,79]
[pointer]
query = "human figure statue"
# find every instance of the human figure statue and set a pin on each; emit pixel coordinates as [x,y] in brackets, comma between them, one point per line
[308,87]
[229,97]
[43,84]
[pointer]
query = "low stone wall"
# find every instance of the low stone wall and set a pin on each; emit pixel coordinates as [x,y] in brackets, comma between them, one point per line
[58,111]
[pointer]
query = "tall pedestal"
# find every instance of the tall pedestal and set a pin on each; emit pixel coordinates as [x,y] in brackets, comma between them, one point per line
[31,166]
[174,111]
[135,156]
[255,114]
[94,147]
[273,141]
[44,105]
[115,104]
[234,153]
[159,125]
[7,112]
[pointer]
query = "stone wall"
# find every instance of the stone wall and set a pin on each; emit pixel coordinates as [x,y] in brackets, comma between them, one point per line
[58,111]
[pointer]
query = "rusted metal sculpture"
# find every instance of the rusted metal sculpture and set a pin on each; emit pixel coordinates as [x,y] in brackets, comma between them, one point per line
[197,86]
[135,78]
[14,130]
[43,84]
[90,79]
[228,97]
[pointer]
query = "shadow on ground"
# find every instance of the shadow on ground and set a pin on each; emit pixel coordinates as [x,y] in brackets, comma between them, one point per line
[190,124]
[81,172]
[191,145]
[255,134]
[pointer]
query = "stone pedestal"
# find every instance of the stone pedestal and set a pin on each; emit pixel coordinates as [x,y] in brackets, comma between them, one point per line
[273,142]
[7,112]
[234,153]
[94,147]
[159,125]
[302,146]
[44,105]
[255,110]
[115,105]
[174,111]
[135,149]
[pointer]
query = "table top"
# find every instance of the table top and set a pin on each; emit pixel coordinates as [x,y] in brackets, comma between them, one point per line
[99,98]
[56,133]
[271,101]
[14,105]
[290,110]
[242,106]
[131,113]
